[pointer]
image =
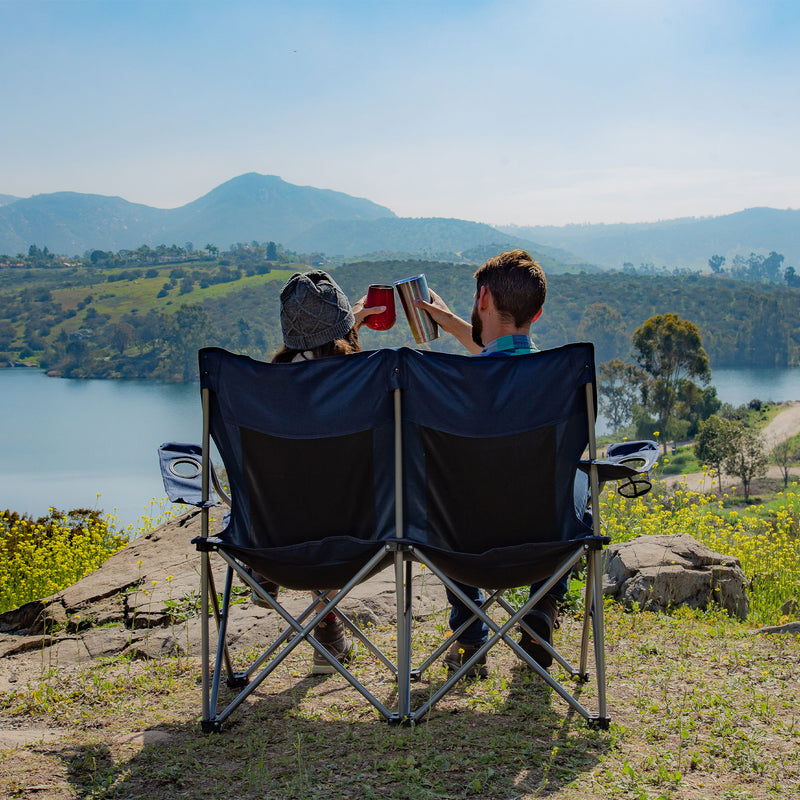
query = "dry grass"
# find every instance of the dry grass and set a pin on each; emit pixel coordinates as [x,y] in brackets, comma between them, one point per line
[701,706]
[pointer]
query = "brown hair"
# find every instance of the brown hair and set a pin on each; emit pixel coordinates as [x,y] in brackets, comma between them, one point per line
[517,284]
[338,347]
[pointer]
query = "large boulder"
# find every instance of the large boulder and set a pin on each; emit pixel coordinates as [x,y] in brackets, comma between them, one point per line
[662,572]
[144,602]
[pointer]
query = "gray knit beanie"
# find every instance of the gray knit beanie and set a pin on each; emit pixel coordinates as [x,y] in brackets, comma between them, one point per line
[314,311]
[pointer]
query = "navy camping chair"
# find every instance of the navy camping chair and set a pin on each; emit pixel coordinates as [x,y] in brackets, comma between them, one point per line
[495,490]
[308,451]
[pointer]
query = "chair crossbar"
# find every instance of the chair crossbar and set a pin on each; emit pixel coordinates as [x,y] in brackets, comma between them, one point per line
[298,630]
[502,633]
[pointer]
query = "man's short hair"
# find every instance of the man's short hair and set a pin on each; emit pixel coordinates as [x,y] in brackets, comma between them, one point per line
[517,284]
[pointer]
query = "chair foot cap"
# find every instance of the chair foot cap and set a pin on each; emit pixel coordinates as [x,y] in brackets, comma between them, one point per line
[210,726]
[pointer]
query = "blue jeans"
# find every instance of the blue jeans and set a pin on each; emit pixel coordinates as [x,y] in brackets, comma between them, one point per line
[477,632]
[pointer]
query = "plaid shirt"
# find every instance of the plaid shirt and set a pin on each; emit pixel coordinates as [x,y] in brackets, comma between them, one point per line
[513,345]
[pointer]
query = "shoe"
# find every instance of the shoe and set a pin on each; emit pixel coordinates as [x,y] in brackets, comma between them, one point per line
[542,618]
[271,588]
[459,653]
[333,637]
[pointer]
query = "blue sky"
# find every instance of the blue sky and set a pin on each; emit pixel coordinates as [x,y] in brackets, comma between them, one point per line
[512,111]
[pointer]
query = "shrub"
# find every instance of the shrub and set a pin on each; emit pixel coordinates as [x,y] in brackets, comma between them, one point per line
[40,557]
[767,543]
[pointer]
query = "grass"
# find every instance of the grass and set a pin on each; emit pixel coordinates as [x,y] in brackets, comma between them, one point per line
[701,708]
[119,297]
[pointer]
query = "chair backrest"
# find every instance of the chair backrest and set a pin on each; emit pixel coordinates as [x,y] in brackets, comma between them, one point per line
[308,449]
[491,447]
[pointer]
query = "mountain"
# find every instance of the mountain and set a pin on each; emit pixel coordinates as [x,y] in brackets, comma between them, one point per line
[261,207]
[265,208]
[70,223]
[431,237]
[253,207]
[5,199]
[686,242]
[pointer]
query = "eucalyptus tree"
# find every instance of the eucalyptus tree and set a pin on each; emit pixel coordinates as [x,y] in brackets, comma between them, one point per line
[670,350]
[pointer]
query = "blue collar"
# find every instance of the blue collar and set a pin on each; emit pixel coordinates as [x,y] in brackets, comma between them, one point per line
[512,345]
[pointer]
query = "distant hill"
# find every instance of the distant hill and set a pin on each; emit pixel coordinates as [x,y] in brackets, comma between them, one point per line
[254,207]
[428,237]
[260,207]
[5,199]
[687,242]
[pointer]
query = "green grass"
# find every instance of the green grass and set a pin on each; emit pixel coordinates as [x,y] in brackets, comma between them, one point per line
[701,708]
[120,297]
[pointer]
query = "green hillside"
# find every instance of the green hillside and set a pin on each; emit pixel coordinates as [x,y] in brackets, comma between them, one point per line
[93,321]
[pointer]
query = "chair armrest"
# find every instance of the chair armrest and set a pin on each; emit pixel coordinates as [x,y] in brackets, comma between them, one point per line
[181,471]
[629,462]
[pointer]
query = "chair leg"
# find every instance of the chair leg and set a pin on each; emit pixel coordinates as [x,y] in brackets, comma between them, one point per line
[205,569]
[599,636]
[588,617]
[403,594]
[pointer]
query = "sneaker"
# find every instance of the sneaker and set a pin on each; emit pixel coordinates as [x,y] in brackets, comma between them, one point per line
[271,588]
[459,653]
[333,637]
[542,618]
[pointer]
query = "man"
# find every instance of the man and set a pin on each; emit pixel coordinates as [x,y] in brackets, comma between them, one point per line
[509,296]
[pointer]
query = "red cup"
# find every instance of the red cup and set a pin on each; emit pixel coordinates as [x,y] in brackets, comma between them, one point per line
[380,295]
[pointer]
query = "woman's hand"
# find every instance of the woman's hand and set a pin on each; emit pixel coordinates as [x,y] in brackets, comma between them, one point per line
[361,313]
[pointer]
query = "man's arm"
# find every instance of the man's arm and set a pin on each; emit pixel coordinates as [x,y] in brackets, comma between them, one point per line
[449,322]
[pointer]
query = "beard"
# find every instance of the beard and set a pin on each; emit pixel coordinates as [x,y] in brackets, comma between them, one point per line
[477,327]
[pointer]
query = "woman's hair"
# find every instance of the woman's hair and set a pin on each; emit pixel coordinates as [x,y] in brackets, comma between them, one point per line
[338,347]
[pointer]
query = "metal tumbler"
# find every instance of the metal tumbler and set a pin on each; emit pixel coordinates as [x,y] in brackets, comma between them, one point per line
[422,325]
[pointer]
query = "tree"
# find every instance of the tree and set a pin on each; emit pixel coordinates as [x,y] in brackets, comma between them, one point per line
[791,277]
[748,459]
[695,404]
[785,454]
[605,327]
[716,262]
[121,336]
[715,441]
[670,350]
[272,251]
[620,386]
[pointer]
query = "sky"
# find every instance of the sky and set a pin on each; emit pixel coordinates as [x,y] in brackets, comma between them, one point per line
[524,112]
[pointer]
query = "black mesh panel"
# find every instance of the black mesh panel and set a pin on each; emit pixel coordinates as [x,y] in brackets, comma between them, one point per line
[303,490]
[504,483]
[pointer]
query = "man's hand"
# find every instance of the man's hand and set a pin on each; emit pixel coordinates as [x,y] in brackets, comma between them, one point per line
[361,313]
[438,310]
[448,321]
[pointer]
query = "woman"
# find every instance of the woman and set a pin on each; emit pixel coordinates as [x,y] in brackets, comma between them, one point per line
[317,320]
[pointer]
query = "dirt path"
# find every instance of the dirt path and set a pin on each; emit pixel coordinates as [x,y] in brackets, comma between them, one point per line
[785,425]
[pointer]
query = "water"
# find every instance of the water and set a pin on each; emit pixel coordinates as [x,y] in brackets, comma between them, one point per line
[62,441]
[739,386]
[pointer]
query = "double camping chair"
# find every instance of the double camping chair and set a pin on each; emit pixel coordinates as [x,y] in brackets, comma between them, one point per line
[344,466]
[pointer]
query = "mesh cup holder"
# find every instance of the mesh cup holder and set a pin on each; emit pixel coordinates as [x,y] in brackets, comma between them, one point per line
[634,487]
[184,467]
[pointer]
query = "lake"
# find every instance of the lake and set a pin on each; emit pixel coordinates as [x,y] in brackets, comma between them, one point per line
[63,442]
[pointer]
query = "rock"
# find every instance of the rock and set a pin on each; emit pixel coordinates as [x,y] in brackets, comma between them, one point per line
[790,627]
[50,619]
[661,572]
[791,607]
[144,602]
